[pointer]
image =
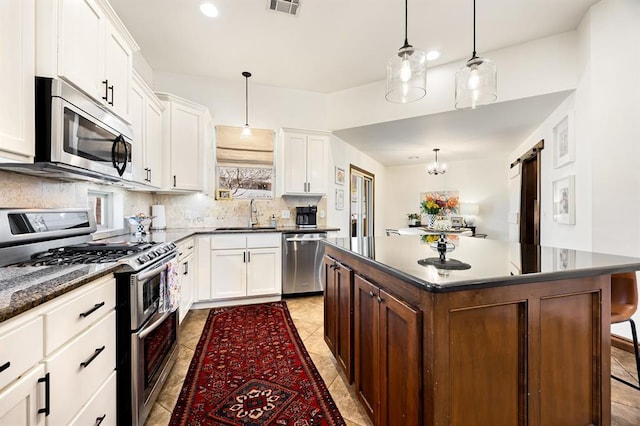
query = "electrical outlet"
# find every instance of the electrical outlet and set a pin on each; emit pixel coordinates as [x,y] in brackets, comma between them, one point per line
[321,213]
[285,214]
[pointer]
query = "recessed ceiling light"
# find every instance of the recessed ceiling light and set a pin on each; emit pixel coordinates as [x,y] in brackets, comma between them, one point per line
[432,55]
[413,157]
[208,9]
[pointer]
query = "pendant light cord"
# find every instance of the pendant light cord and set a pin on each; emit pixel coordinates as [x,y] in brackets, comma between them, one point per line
[474,30]
[406,22]
[246,100]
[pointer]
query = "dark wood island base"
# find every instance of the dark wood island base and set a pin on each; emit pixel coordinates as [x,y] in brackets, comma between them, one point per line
[531,353]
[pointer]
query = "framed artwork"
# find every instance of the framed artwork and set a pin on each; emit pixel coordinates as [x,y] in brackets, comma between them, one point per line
[339,199]
[339,175]
[444,203]
[563,259]
[223,194]
[564,151]
[456,221]
[564,200]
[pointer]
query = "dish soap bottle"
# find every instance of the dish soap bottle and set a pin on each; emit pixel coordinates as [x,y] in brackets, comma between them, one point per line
[273,220]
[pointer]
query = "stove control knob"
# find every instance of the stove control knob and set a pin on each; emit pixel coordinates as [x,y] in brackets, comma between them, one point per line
[141,259]
[152,255]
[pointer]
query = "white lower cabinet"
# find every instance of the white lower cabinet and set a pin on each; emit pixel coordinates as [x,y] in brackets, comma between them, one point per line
[19,402]
[101,409]
[186,274]
[59,357]
[239,266]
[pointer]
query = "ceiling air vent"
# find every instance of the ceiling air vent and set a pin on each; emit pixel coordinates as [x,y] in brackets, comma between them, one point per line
[290,7]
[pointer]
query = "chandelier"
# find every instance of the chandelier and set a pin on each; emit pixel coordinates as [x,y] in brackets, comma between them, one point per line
[436,168]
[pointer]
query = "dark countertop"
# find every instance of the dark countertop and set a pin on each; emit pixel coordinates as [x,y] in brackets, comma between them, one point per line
[23,288]
[493,263]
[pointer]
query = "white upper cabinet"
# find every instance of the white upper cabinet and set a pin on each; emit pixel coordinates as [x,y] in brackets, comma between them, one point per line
[305,162]
[17,47]
[85,43]
[185,128]
[146,120]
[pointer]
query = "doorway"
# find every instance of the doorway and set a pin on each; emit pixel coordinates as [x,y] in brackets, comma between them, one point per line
[530,195]
[361,202]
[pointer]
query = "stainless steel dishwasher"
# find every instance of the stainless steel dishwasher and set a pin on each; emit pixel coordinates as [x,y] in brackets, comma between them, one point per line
[302,263]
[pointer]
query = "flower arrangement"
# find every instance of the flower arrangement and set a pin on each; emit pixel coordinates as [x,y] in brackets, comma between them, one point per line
[440,202]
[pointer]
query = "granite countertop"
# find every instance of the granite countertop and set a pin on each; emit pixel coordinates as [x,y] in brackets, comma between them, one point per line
[492,262]
[23,288]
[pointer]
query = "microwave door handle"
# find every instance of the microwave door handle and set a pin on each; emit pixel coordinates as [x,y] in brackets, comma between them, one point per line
[114,161]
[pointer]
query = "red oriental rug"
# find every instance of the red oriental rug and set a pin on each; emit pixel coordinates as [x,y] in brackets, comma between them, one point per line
[251,368]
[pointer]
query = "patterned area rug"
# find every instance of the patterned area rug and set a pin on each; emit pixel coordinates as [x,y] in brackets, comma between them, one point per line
[251,368]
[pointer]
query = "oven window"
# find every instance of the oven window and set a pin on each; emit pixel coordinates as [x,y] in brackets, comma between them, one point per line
[85,139]
[151,293]
[157,346]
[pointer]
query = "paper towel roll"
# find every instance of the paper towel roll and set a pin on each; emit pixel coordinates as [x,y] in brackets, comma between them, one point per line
[159,218]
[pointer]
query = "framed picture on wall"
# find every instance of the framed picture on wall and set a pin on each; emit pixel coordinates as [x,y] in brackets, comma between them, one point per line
[339,175]
[564,200]
[563,143]
[339,199]
[223,194]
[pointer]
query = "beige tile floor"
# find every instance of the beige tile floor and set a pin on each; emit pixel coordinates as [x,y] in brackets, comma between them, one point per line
[307,314]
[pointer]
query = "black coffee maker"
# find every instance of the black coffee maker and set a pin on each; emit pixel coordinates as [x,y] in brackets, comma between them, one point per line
[306,216]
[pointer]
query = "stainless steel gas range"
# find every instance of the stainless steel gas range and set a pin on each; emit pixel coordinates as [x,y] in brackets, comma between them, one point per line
[147,339]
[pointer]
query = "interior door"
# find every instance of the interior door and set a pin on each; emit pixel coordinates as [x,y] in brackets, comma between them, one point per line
[361,202]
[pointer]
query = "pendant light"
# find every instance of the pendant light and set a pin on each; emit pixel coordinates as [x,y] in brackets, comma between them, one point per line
[436,168]
[406,71]
[476,81]
[246,130]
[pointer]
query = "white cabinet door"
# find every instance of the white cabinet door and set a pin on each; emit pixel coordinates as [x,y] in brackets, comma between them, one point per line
[81,46]
[137,108]
[204,276]
[263,271]
[19,403]
[186,137]
[153,142]
[295,160]
[118,63]
[317,164]
[16,80]
[187,272]
[228,274]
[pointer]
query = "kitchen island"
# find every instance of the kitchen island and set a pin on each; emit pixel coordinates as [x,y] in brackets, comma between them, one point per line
[520,336]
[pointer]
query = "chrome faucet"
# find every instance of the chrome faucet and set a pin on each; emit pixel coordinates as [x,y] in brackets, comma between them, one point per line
[252,210]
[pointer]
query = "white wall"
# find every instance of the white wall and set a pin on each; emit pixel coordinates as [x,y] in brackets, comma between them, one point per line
[480,181]
[534,68]
[604,109]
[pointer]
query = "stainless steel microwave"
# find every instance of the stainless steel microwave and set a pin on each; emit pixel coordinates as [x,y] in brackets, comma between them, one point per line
[74,135]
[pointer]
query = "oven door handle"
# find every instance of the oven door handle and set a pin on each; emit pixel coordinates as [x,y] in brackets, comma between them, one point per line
[148,274]
[147,330]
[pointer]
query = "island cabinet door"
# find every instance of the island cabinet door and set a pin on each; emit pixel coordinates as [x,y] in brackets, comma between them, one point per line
[330,303]
[344,326]
[367,366]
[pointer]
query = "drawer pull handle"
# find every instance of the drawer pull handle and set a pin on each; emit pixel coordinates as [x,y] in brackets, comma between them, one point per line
[92,310]
[189,248]
[47,395]
[380,299]
[86,363]
[5,366]
[370,294]
[100,419]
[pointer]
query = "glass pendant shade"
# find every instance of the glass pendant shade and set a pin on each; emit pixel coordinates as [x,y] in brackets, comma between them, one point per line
[406,76]
[246,131]
[476,83]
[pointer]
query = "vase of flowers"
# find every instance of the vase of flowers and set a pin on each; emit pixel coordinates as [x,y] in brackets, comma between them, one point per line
[430,208]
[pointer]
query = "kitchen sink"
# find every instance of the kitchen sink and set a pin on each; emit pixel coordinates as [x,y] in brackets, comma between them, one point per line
[245,228]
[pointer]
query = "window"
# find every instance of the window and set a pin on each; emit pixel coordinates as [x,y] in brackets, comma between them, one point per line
[245,166]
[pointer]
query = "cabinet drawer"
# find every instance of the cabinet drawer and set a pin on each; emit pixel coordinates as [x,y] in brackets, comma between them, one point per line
[80,367]
[70,318]
[228,242]
[186,248]
[264,240]
[101,407]
[20,349]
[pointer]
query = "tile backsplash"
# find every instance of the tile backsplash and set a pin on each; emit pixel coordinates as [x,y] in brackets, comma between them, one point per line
[182,211]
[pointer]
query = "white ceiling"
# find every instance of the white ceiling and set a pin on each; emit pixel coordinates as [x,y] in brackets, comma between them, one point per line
[492,131]
[334,45]
[330,45]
